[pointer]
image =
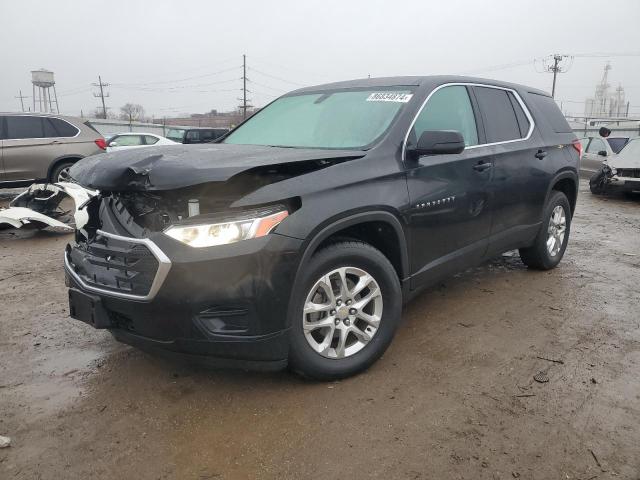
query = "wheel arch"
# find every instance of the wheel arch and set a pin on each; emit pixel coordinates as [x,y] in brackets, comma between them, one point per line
[568,183]
[381,229]
[73,158]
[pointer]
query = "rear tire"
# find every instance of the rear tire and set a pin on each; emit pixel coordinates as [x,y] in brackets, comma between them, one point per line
[60,172]
[551,242]
[319,352]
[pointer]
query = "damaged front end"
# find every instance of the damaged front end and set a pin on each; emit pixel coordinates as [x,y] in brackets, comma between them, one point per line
[59,207]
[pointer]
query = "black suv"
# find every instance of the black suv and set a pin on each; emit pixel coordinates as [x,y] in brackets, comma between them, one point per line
[298,237]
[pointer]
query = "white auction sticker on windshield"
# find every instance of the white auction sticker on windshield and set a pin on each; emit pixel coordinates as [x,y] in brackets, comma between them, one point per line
[389,97]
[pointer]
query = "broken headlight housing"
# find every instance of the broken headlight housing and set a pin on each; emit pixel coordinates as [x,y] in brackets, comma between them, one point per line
[222,233]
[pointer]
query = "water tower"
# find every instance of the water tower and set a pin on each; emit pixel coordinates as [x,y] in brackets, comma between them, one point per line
[43,82]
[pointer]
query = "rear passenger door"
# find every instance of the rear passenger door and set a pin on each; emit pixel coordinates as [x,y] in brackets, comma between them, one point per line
[520,179]
[450,214]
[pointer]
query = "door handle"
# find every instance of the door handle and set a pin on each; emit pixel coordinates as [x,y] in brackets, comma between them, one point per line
[540,154]
[482,166]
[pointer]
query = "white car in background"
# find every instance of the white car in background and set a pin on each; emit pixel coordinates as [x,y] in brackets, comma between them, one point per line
[125,141]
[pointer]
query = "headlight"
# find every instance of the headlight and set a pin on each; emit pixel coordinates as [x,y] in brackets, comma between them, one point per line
[614,171]
[212,234]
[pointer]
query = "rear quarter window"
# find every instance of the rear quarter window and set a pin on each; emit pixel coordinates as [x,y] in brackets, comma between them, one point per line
[63,128]
[499,116]
[551,113]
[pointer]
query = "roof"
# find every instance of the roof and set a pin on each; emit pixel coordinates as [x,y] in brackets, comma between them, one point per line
[413,81]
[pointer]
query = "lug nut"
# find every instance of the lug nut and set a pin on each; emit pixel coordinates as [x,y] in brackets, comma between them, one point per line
[338,302]
[347,321]
[348,302]
[332,313]
[352,311]
[337,321]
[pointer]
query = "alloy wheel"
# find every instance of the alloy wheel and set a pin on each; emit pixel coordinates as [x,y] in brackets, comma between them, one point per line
[342,312]
[556,230]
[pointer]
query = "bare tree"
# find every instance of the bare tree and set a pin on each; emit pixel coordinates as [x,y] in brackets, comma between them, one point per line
[98,113]
[132,112]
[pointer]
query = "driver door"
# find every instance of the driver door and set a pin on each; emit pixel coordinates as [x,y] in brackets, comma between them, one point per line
[450,214]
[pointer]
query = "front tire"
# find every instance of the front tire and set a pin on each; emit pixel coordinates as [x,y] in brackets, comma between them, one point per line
[551,242]
[345,310]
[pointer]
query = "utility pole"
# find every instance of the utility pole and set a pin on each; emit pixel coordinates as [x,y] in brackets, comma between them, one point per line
[21,97]
[556,69]
[244,100]
[101,95]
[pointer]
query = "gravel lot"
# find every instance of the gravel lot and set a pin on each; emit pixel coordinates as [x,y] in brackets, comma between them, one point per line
[454,397]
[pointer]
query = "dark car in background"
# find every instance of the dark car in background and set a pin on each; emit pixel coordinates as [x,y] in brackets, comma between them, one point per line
[195,134]
[296,240]
[42,147]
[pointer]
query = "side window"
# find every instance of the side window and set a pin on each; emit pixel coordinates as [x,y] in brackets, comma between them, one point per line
[596,146]
[500,122]
[448,109]
[63,128]
[523,121]
[128,140]
[49,130]
[207,135]
[193,135]
[24,127]
[149,140]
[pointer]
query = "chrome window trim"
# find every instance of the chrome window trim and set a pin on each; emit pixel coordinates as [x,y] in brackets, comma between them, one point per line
[472,84]
[6,115]
[164,265]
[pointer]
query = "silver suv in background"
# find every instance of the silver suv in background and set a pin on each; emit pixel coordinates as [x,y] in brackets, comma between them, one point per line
[41,147]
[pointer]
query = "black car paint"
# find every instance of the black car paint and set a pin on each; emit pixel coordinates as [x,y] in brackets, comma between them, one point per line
[476,213]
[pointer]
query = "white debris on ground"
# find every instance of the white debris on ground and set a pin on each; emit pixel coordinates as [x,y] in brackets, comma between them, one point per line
[39,206]
[5,442]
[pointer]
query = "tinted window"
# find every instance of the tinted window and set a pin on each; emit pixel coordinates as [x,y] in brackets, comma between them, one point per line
[448,109]
[523,121]
[63,128]
[500,122]
[616,144]
[551,113]
[207,135]
[49,130]
[596,146]
[24,127]
[193,135]
[150,140]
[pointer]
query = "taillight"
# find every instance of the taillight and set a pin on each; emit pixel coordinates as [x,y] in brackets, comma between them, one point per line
[578,146]
[101,143]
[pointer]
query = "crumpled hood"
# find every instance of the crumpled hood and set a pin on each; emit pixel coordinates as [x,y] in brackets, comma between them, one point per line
[620,161]
[173,167]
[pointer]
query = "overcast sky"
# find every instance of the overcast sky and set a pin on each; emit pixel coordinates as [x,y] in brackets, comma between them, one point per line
[185,56]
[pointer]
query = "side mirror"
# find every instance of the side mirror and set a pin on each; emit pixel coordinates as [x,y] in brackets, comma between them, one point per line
[440,142]
[602,153]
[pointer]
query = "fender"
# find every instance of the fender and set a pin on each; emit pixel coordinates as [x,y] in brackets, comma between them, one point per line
[325,231]
[559,176]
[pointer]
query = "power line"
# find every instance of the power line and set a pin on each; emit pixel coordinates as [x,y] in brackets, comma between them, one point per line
[180,79]
[277,78]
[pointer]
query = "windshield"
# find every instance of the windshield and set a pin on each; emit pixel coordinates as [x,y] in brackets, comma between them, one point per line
[175,134]
[338,119]
[617,143]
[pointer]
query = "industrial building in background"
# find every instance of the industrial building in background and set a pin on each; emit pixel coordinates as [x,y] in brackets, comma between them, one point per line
[607,103]
[43,82]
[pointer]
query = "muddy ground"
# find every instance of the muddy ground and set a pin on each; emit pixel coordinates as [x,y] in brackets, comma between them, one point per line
[454,396]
